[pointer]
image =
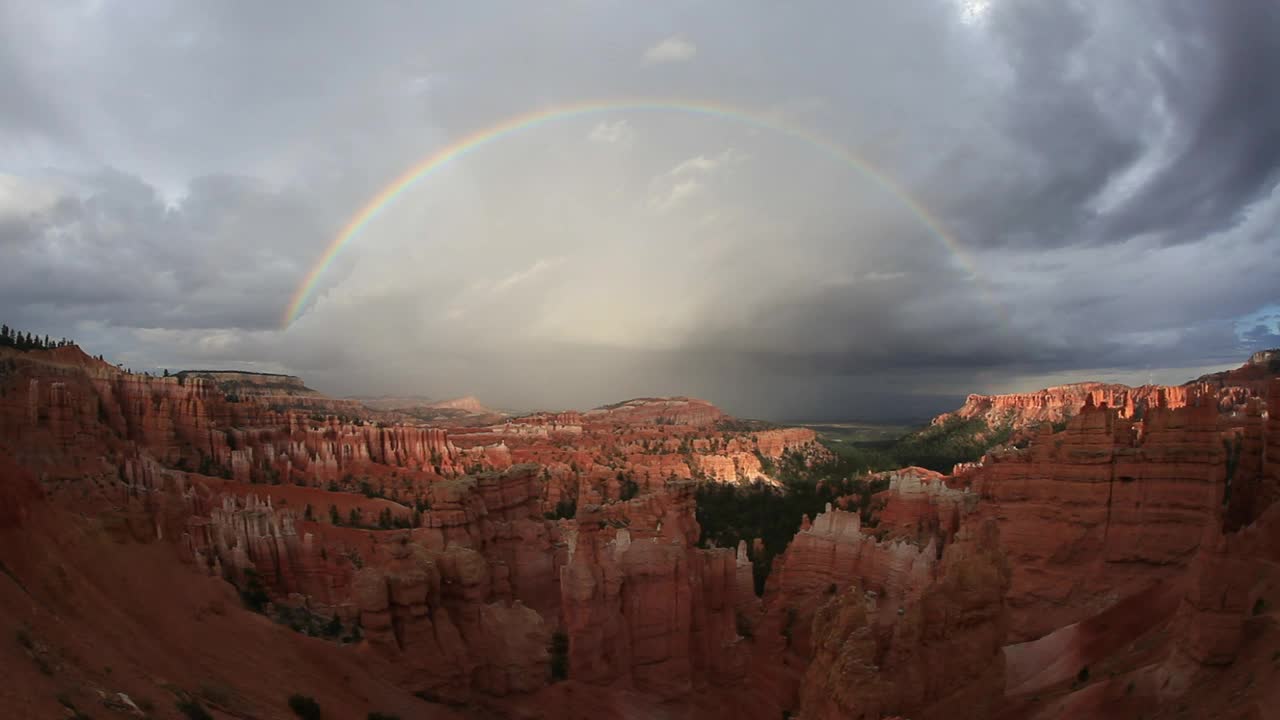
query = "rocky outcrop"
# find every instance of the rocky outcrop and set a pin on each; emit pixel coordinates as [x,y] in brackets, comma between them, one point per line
[431,612]
[1101,510]
[643,607]
[192,423]
[1057,404]
[773,443]
[657,411]
[919,506]
[1230,390]
[937,655]
[1261,369]
[733,467]
[467,403]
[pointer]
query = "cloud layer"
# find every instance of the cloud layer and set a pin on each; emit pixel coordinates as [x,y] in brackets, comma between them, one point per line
[1107,173]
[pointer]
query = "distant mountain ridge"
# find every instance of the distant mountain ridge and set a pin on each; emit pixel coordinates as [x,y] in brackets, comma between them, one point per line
[1016,416]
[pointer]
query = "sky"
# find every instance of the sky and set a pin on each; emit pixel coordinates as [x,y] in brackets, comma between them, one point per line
[897,204]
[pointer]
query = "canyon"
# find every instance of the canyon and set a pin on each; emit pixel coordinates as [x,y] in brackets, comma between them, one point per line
[230,539]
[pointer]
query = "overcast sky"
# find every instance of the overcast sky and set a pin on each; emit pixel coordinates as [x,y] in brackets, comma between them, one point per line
[170,172]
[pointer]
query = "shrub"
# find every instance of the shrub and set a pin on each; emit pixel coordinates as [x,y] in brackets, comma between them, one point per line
[193,710]
[788,624]
[253,594]
[333,628]
[567,508]
[559,656]
[627,487]
[304,707]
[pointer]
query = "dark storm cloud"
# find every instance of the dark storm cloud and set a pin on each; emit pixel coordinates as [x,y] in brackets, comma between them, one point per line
[1219,80]
[222,256]
[1108,171]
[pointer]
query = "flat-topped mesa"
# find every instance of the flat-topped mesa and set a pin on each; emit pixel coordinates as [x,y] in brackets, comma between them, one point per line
[1099,511]
[249,383]
[467,403]
[657,411]
[1056,404]
[275,391]
[1231,391]
[773,443]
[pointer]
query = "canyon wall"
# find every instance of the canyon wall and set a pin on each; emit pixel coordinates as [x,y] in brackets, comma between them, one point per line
[1095,513]
[478,565]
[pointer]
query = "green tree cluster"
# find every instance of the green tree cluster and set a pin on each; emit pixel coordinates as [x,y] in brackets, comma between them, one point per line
[14,338]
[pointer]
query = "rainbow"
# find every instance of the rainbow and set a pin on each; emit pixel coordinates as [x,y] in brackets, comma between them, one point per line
[531,120]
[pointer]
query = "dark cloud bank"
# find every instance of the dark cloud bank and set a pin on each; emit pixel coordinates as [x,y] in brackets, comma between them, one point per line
[1109,172]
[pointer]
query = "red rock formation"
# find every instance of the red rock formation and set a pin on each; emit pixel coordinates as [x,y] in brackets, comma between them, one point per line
[1026,411]
[773,443]
[734,467]
[1097,513]
[919,506]
[18,490]
[939,655]
[902,617]
[430,613]
[643,607]
[650,411]
[468,403]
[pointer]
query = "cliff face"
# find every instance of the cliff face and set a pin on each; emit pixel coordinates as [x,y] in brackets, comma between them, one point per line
[1231,390]
[189,422]
[938,655]
[643,606]
[1096,512]
[1055,405]
[1254,375]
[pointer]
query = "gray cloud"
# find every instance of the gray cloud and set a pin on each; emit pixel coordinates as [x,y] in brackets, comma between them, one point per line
[1108,172]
